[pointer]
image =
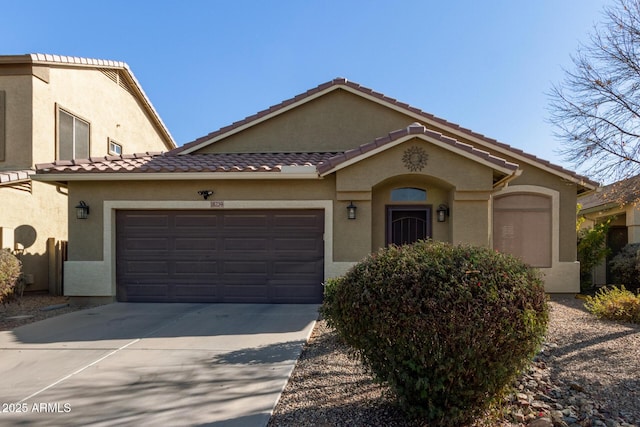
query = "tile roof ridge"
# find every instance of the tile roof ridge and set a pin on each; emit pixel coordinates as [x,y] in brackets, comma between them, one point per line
[76,60]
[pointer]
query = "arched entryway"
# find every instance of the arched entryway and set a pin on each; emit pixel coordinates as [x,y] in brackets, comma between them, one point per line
[404,208]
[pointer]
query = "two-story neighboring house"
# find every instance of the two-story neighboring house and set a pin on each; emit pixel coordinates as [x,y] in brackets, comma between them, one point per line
[61,108]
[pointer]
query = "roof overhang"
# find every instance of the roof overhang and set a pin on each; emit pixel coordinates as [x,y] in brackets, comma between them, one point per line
[174,176]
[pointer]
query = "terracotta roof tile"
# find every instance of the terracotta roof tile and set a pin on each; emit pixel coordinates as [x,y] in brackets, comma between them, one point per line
[7,177]
[158,162]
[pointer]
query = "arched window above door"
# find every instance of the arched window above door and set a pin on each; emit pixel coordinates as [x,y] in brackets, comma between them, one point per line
[408,194]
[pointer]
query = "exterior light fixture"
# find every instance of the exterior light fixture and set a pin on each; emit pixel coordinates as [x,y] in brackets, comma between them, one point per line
[351,211]
[205,193]
[443,212]
[82,210]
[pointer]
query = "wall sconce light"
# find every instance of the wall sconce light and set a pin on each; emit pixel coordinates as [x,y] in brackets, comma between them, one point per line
[351,211]
[82,210]
[205,193]
[443,212]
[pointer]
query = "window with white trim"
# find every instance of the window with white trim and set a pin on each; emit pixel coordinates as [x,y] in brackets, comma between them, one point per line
[522,227]
[115,148]
[73,136]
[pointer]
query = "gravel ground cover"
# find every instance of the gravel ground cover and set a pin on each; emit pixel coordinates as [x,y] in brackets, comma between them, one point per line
[33,307]
[586,375]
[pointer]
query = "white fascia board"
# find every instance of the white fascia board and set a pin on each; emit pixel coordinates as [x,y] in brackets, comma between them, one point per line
[173,176]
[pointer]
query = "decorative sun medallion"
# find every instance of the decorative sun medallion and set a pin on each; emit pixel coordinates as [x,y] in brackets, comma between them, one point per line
[415,158]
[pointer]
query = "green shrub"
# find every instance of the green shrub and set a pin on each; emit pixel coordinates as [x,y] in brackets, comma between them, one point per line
[626,265]
[9,274]
[615,304]
[592,250]
[446,327]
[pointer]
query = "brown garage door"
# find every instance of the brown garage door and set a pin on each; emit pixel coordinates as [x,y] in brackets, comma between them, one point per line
[220,256]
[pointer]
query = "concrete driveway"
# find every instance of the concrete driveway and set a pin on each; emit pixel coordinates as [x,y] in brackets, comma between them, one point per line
[152,364]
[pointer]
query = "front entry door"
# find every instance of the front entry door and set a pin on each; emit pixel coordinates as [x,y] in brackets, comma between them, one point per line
[408,224]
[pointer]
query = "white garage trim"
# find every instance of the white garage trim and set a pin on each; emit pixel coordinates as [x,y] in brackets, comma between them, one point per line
[98,278]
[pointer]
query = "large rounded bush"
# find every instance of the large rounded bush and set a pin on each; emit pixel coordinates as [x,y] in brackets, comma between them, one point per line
[446,327]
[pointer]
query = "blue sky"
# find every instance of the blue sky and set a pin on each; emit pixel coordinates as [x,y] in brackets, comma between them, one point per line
[485,65]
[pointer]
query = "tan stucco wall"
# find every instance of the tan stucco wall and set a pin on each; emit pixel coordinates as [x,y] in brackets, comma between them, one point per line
[335,122]
[34,217]
[18,104]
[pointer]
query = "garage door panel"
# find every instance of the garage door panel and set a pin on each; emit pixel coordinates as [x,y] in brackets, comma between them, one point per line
[245,267]
[145,221]
[252,244]
[308,268]
[220,256]
[245,221]
[195,268]
[195,243]
[309,245]
[297,221]
[189,222]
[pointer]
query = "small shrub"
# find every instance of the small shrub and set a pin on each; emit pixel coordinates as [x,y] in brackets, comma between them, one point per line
[9,274]
[626,265]
[615,304]
[446,327]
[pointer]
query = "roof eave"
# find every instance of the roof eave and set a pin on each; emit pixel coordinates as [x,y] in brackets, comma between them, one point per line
[507,169]
[169,176]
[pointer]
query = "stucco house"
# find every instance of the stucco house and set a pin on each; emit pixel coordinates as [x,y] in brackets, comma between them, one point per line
[265,209]
[616,202]
[56,108]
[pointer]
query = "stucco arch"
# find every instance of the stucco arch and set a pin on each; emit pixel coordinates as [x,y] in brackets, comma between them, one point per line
[438,192]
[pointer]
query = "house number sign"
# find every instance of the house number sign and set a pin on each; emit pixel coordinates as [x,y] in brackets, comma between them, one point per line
[217,204]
